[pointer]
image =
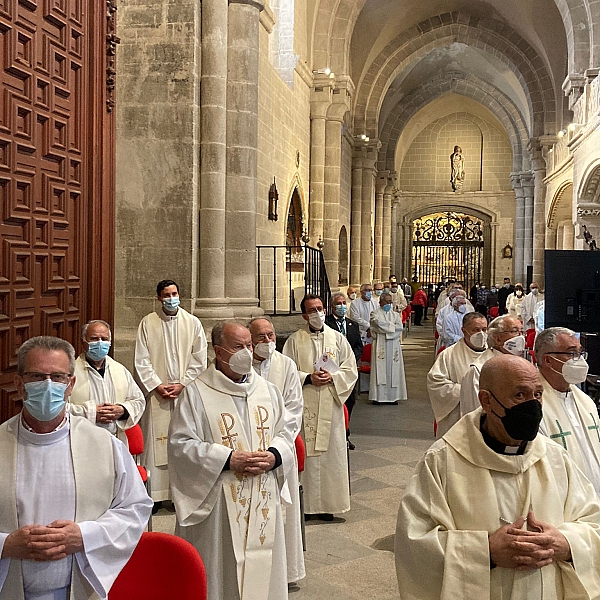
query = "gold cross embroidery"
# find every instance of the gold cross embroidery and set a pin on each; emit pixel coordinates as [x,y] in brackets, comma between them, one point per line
[162,439]
[262,416]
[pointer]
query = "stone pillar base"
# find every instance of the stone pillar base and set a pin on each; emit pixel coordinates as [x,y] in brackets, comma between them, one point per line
[216,309]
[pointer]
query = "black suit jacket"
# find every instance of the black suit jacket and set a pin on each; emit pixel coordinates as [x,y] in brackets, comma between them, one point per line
[352,334]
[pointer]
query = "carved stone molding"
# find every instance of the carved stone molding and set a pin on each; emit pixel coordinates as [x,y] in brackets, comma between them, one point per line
[111,53]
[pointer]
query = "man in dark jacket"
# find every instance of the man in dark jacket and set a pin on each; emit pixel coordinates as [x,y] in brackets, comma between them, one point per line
[503,293]
[347,327]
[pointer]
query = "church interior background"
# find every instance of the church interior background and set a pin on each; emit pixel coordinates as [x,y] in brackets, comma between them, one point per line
[251,150]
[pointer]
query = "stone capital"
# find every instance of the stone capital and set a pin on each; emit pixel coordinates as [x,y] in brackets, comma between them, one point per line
[258,4]
[573,86]
[381,182]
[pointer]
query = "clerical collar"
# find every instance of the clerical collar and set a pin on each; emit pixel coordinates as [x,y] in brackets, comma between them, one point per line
[316,330]
[499,447]
[244,378]
[166,316]
[42,439]
[100,370]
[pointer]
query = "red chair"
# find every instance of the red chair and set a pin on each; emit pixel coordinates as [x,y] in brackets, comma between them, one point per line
[493,312]
[364,368]
[135,440]
[162,566]
[529,338]
[301,456]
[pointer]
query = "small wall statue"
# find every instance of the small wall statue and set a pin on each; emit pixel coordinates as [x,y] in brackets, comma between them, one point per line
[457,166]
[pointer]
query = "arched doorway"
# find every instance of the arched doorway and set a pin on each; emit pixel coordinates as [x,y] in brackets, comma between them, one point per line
[343,257]
[295,221]
[560,233]
[448,245]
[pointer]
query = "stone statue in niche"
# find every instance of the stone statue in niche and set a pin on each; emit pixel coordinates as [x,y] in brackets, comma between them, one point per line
[457,165]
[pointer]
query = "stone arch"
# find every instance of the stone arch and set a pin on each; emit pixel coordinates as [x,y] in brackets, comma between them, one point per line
[481,33]
[296,203]
[560,232]
[344,255]
[576,13]
[469,86]
[589,190]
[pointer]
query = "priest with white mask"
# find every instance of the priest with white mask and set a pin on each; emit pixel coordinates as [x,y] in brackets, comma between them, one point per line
[72,503]
[170,352]
[570,415]
[447,310]
[360,311]
[452,325]
[529,306]
[494,510]
[281,371]
[105,392]
[445,376]
[504,336]
[327,369]
[387,382]
[231,457]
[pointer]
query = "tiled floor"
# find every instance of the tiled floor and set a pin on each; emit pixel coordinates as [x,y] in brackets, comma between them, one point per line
[352,559]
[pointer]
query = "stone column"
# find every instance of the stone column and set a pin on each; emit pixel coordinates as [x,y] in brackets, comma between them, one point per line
[394,236]
[366,223]
[551,238]
[528,190]
[211,300]
[355,218]
[242,143]
[539,218]
[320,101]
[378,237]
[519,250]
[387,227]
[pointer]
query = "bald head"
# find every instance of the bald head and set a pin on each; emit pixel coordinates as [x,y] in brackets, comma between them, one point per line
[500,370]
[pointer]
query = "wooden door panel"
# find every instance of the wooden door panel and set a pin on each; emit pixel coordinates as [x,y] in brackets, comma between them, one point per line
[53,185]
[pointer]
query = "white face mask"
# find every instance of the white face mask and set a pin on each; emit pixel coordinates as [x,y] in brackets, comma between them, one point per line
[316,320]
[515,345]
[574,371]
[240,362]
[264,349]
[479,339]
[352,296]
[535,291]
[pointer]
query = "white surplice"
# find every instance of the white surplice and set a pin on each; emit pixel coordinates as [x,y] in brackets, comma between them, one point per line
[281,371]
[117,386]
[513,305]
[360,311]
[469,386]
[399,300]
[387,381]
[196,461]
[528,308]
[180,350]
[80,473]
[325,476]
[462,491]
[444,382]
[443,313]
[571,420]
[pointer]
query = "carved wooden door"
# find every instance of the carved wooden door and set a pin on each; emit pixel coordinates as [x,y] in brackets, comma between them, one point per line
[56,175]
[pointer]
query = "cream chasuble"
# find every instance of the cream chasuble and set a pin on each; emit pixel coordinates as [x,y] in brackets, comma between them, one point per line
[387,381]
[444,382]
[571,420]
[169,349]
[108,499]
[462,491]
[281,371]
[116,387]
[235,521]
[469,387]
[325,476]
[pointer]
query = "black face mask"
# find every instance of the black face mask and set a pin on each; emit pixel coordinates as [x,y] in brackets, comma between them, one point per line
[522,421]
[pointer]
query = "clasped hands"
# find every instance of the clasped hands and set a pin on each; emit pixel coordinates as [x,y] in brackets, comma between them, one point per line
[322,377]
[251,463]
[539,545]
[170,391]
[107,413]
[44,543]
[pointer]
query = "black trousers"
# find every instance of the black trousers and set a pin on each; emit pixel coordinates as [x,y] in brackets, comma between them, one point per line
[418,313]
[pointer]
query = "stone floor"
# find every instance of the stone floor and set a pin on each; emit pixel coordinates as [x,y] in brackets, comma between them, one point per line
[352,558]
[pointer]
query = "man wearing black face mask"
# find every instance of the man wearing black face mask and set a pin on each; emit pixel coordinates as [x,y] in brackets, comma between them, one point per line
[570,416]
[492,498]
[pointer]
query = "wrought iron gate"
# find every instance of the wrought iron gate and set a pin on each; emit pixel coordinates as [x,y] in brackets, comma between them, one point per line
[448,245]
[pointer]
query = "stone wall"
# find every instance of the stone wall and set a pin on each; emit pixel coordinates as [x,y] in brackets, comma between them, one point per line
[487,152]
[157,152]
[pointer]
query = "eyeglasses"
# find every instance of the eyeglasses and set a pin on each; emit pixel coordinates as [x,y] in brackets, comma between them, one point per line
[514,330]
[265,336]
[573,355]
[55,377]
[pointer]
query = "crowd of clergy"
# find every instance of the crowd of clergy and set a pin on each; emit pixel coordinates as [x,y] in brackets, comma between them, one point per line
[503,505]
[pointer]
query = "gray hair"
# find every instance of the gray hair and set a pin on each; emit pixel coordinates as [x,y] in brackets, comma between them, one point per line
[338,295]
[496,328]
[363,286]
[546,340]
[385,296]
[85,328]
[47,343]
[216,335]
[261,318]
[471,316]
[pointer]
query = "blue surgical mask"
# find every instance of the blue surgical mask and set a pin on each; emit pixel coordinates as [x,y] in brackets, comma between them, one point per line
[387,307]
[45,399]
[171,304]
[341,310]
[368,295]
[386,290]
[98,350]
[378,292]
